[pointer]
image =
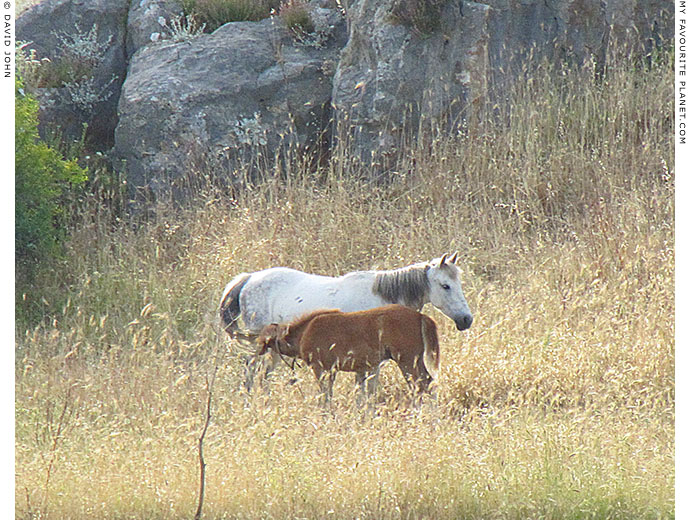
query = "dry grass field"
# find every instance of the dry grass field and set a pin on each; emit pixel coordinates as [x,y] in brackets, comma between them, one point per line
[558,403]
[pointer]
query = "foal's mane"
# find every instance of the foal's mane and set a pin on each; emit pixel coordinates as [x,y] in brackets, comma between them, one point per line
[305,318]
[408,285]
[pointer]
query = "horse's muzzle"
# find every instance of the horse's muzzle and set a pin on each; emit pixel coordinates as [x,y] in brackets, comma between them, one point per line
[464,322]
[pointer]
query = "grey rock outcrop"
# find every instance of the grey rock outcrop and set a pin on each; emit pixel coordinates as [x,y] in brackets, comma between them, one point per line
[572,30]
[248,90]
[642,25]
[390,77]
[148,21]
[85,39]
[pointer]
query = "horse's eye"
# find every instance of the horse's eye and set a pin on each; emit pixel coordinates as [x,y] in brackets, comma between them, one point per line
[445,287]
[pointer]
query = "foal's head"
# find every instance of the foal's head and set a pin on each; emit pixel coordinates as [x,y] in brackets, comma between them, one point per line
[274,336]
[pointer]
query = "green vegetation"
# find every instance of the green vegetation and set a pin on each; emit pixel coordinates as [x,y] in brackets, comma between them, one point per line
[78,56]
[296,17]
[422,16]
[215,13]
[557,403]
[43,179]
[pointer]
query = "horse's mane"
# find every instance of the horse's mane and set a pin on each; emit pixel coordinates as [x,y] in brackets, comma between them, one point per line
[407,284]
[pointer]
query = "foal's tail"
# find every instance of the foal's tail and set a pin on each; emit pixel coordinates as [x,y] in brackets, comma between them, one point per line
[432,353]
[230,302]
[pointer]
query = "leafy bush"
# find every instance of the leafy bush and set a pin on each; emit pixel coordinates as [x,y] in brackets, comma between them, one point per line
[76,58]
[43,178]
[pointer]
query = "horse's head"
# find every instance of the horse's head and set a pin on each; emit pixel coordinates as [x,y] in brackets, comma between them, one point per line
[445,290]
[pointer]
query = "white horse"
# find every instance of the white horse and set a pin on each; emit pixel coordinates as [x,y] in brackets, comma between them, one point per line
[280,295]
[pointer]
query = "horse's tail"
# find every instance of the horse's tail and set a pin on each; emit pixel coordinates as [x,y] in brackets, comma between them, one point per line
[230,302]
[432,353]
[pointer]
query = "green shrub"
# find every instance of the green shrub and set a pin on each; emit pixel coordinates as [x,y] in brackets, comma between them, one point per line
[77,56]
[43,179]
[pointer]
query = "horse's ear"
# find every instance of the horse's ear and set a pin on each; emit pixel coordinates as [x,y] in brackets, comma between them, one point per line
[443,260]
[454,258]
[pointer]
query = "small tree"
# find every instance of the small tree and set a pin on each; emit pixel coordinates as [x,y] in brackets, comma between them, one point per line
[43,178]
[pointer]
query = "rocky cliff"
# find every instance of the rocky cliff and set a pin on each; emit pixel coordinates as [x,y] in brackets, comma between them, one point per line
[169,98]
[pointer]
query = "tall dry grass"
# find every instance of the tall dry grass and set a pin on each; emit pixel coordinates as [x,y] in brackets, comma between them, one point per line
[557,403]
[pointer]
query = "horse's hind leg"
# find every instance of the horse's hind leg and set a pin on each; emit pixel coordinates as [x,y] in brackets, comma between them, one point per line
[260,366]
[250,369]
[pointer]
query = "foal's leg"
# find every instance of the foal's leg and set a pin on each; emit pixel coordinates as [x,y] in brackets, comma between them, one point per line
[325,380]
[367,382]
[362,381]
[416,375]
[373,382]
[330,380]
